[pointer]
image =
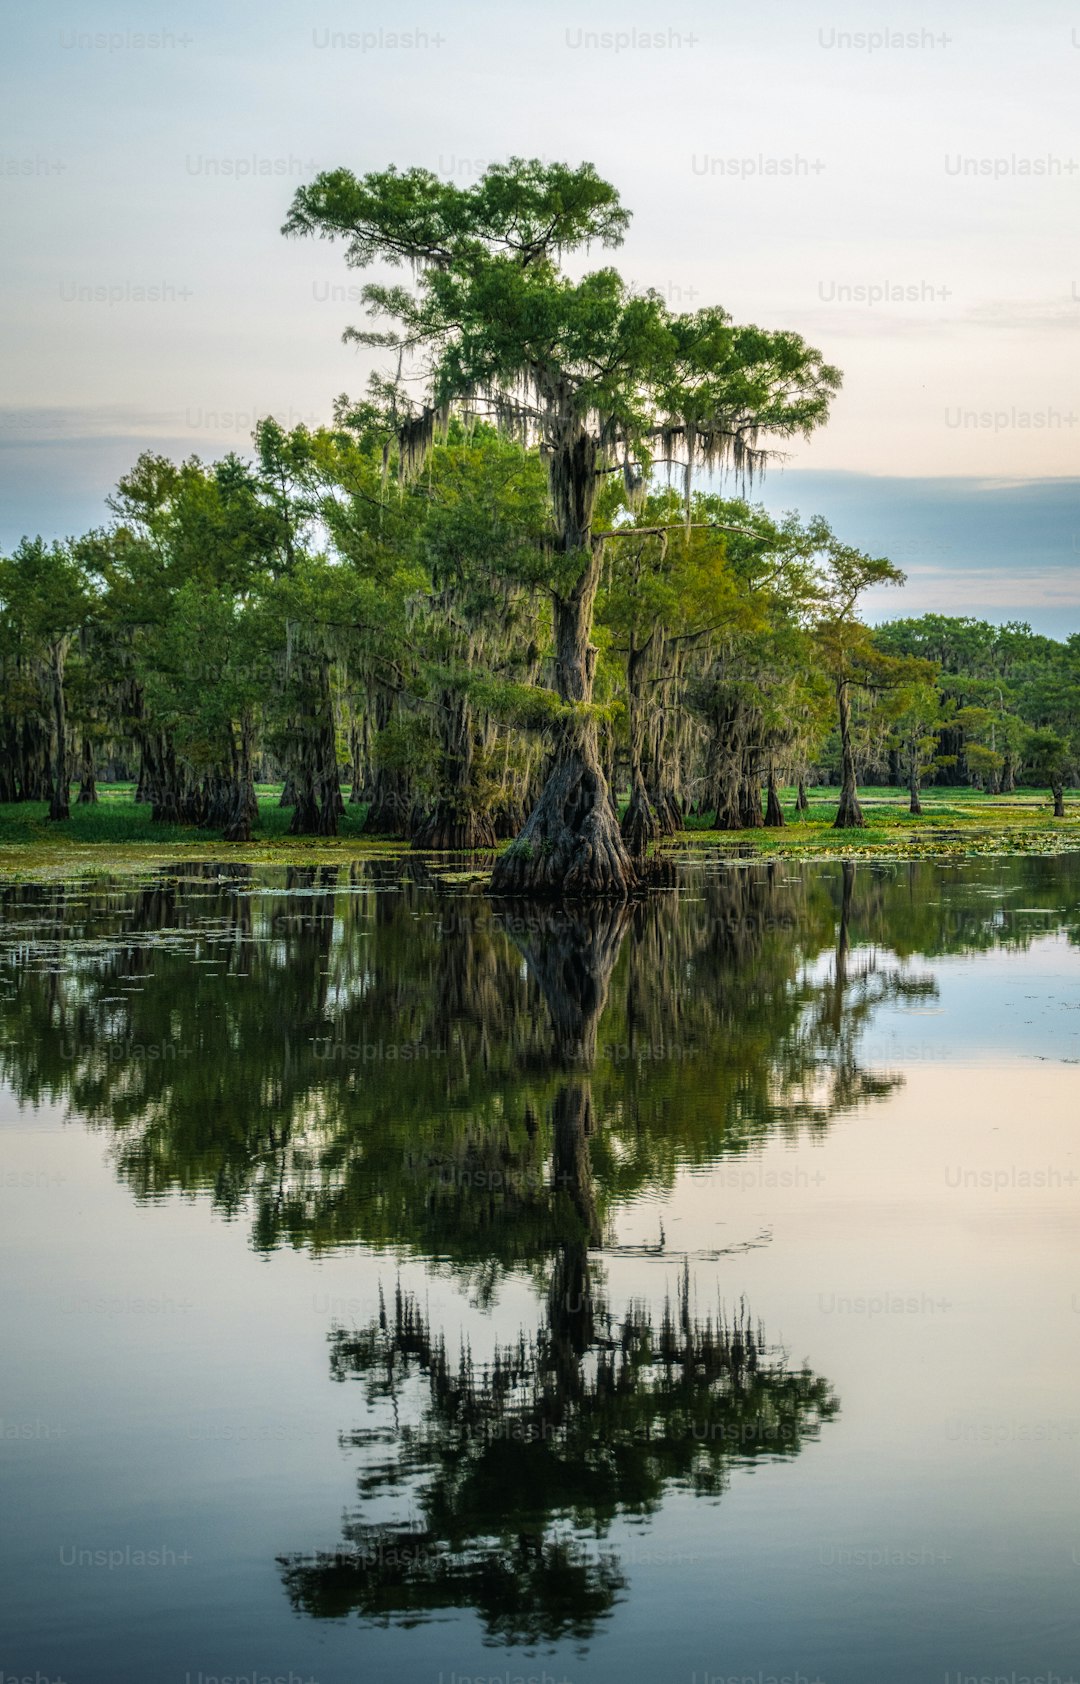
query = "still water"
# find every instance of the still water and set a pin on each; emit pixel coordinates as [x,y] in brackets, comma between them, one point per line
[397,1284]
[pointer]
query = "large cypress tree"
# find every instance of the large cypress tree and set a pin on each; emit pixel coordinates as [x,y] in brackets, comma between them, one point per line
[602,378]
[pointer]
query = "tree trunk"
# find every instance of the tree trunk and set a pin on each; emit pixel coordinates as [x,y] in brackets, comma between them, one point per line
[242,806]
[725,764]
[60,805]
[314,771]
[315,810]
[802,805]
[390,801]
[168,786]
[915,805]
[774,813]
[458,822]
[849,814]
[728,806]
[390,811]
[305,819]
[8,780]
[609,766]
[668,810]
[33,765]
[658,783]
[327,776]
[571,843]
[1058,792]
[87,777]
[361,758]
[641,824]
[447,830]
[750,813]
[509,817]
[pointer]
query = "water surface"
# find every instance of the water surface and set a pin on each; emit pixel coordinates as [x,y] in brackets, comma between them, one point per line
[398,1284]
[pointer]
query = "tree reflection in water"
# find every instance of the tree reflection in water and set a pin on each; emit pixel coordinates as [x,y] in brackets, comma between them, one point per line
[517,1467]
[342,1055]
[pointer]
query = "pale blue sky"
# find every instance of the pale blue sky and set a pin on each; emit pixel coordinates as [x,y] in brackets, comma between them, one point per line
[775,159]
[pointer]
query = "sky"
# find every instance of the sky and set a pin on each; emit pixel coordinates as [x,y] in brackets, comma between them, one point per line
[900,184]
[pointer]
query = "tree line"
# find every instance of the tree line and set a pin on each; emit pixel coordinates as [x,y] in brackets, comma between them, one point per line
[304,616]
[494,595]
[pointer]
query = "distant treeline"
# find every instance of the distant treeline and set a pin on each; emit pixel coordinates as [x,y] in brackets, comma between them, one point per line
[331,615]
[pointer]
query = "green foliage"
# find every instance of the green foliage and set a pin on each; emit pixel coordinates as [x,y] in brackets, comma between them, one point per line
[997,685]
[498,324]
[437,594]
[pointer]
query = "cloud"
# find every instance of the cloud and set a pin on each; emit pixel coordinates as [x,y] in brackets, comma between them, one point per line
[47,424]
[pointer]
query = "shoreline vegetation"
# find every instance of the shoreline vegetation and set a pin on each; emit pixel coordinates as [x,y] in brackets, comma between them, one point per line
[118,833]
[506,586]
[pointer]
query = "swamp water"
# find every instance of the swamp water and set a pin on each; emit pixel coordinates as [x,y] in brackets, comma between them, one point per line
[397,1284]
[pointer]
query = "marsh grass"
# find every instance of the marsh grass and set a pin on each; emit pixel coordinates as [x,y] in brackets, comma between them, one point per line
[955,823]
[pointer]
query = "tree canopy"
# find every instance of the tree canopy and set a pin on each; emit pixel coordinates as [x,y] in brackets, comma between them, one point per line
[508,595]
